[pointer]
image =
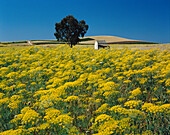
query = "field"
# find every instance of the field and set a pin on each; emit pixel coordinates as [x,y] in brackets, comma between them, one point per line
[59,90]
[112,46]
[133,46]
[88,42]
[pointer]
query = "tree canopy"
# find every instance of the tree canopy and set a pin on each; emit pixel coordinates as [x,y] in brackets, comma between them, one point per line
[70,29]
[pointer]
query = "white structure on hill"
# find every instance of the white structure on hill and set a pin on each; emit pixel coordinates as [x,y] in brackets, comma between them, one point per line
[29,42]
[100,44]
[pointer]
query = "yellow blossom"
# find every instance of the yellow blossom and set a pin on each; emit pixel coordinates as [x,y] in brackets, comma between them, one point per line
[136,92]
[133,103]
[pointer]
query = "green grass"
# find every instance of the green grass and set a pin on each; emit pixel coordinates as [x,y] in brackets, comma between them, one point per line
[45,43]
[13,42]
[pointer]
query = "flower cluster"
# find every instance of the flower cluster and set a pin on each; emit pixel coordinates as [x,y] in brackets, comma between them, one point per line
[133,103]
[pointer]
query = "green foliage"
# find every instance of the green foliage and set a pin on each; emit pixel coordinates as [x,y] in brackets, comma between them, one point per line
[69,30]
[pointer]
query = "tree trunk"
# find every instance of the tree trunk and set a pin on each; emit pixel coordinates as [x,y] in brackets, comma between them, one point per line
[71,45]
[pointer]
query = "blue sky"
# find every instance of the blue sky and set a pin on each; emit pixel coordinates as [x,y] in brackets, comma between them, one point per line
[147,20]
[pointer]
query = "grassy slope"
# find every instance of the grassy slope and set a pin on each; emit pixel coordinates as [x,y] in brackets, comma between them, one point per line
[88,42]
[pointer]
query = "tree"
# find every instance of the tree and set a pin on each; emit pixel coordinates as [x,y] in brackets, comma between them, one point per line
[69,29]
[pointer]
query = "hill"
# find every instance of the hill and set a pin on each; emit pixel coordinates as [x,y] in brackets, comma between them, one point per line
[84,41]
[111,40]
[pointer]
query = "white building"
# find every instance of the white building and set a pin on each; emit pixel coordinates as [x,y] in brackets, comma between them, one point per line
[29,42]
[100,44]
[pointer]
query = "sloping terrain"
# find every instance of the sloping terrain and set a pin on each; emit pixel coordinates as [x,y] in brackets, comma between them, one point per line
[84,41]
[111,40]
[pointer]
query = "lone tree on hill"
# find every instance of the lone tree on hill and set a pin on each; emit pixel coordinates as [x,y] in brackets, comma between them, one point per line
[69,29]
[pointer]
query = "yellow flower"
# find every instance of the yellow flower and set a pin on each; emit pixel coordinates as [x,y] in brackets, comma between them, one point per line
[81,117]
[153,109]
[165,108]
[168,92]
[14,105]
[167,83]
[32,129]
[12,75]
[14,102]
[134,113]
[146,106]
[136,92]
[127,81]
[98,100]
[14,132]
[51,114]
[102,118]
[121,99]
[102,109]
[133,103]
[142,80]
[145,92]
[21,86]
[44,126]
[147,132]
[63,119]
[118,109]
[154,99]
[71,98]
[27,116]
[1,95]
[4,101]
[83,83]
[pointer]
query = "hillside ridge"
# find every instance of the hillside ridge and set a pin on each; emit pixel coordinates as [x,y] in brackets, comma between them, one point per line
[111,40]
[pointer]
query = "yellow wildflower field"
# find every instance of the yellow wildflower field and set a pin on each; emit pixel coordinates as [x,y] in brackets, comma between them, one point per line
[66,91]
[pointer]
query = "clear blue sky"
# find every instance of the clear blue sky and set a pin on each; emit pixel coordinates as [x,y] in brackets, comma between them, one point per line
[147,20]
